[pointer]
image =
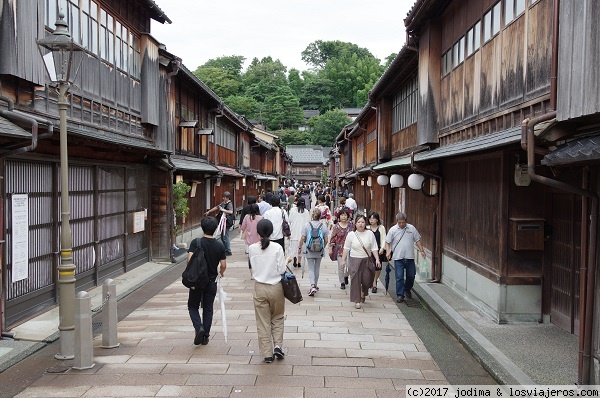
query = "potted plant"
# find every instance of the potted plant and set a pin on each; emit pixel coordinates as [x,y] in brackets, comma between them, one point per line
[180,207]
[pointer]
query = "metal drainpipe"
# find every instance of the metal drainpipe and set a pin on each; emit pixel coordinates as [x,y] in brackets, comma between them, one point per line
[586,278]
[171,128]
[12,114]
[437,222]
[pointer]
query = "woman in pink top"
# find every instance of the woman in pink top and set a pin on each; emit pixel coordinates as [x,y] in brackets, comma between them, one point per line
[248,229]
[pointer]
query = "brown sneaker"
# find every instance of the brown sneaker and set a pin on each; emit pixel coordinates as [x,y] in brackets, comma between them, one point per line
[408,294]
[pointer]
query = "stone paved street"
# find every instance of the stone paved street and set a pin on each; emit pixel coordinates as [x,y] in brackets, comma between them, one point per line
[332,349]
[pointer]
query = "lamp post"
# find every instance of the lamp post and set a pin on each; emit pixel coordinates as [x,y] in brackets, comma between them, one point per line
[62,64]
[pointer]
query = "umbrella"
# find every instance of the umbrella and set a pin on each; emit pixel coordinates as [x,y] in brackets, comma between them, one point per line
[388,269]
[222,297]
[222,225]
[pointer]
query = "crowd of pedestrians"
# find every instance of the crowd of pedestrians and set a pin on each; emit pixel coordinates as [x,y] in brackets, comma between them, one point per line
[358,243]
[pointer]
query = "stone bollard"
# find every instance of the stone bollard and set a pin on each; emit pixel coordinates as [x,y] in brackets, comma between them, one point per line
[84,347]
[110,320]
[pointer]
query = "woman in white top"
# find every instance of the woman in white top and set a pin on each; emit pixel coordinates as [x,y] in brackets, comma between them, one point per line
[299,217]
[361,243]
[379,232]
[268,263]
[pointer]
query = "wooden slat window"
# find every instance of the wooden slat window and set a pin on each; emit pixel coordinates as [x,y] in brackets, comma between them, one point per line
[404,109]
[225,137]
[473,38]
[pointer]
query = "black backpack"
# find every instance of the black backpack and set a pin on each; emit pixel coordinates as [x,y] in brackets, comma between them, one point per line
[195,275]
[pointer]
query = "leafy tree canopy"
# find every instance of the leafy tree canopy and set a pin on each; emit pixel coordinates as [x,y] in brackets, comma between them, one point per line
[222,82]
[243,105]
[232,64]
[327,126]
[282,109]
[319,52]
[294,137]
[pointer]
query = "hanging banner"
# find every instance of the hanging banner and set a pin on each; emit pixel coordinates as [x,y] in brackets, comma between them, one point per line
[20,237]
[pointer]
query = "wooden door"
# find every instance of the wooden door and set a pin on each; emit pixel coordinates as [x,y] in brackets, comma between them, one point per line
[565,261]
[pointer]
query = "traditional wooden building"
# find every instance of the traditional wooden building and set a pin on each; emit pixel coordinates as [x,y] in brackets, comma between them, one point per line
[504,163]
[308,162]
[115,137]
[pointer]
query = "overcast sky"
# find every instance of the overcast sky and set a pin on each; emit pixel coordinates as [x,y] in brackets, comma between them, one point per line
[282,29]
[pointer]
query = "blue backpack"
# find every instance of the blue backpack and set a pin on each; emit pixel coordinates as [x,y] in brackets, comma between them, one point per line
[315,242]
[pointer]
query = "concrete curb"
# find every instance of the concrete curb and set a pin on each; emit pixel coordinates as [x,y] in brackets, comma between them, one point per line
[500,367]
[19,354]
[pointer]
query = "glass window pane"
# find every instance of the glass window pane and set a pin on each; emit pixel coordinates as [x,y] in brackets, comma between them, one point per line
[470,42]
[75,33]
[94,10]
[519,6]
[94,31]
[85,6]
[487,26]
[52,12]
[508,11]
[476,36]
[461,49]
[85,31]
[496,20]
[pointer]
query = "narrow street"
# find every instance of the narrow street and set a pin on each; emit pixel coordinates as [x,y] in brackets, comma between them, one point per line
[332,348]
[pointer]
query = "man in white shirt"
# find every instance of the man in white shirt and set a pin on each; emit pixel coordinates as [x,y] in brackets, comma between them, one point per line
[263,205]
[276,215]
[351,203]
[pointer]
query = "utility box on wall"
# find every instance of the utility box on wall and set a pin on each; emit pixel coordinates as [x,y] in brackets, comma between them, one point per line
[526,233]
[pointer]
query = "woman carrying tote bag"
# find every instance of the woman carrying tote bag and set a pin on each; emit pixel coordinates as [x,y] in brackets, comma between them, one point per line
[361,243]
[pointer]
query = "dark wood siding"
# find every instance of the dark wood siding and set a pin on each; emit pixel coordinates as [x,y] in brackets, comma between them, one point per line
[579,52]
[150,83]
[20,56]
[472,211]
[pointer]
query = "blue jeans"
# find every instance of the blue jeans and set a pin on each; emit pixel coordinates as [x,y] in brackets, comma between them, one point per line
[401,285]
[207,297]
[225,240]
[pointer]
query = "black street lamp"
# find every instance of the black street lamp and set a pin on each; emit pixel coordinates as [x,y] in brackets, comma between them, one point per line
[62,58]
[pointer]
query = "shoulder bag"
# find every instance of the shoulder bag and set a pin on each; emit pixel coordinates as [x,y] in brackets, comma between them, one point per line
[396,245]
[285,226]
[290,287]
[372,263]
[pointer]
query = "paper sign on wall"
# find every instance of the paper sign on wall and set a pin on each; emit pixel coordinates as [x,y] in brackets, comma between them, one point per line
[138,221]
[20,237]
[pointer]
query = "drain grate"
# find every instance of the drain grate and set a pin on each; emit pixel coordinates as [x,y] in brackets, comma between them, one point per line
[96,326]
[413,303]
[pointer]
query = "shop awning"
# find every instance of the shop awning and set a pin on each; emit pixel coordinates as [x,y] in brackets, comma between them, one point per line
[265,177]
[11,130]
[228,171]
[485,142]
[193,165]
[585,149]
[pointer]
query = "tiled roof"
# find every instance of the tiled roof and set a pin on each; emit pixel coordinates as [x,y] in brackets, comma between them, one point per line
[307,153]
[10,129]
[308,113]
[579,150]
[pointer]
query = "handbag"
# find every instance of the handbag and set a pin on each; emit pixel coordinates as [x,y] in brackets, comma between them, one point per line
[285,226]
[290,287]
[372,263]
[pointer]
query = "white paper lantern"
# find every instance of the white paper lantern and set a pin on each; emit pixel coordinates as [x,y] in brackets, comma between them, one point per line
[396,181]
[415,181]
[383,179]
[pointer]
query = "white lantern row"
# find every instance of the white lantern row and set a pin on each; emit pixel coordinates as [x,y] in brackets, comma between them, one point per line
[415,181]
[396,181]
[383,179]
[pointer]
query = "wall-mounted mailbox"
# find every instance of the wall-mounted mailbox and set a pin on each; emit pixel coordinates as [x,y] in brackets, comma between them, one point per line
[526,233]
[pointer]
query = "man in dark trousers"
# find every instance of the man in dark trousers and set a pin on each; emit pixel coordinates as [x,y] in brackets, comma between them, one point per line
[215,255]
[225,207]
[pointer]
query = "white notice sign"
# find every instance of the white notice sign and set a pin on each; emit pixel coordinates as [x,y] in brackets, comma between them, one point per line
[138,221]
[20,237]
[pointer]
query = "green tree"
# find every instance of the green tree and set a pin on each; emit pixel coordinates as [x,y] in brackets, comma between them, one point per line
[351,74]
[264,77]
[319,52]
[327,126]
[294,137]
[243,105]
[222,75]
[318,93]
[282,109]
[295,82]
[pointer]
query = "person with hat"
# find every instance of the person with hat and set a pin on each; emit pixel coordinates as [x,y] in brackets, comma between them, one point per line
[224,208]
